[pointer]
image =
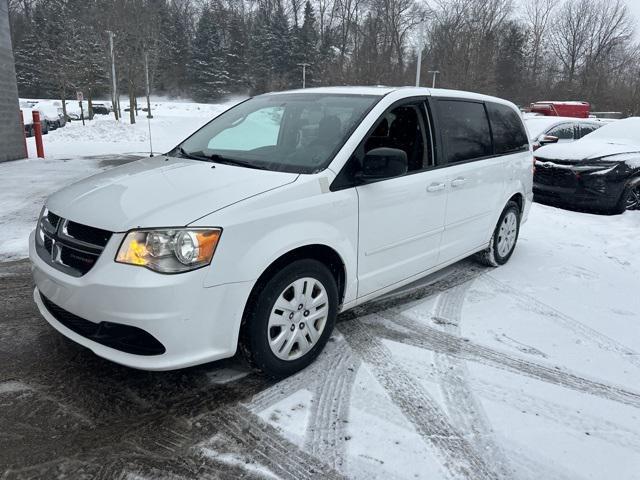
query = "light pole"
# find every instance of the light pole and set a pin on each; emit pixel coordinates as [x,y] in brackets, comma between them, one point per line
[420,48]
[434,72]
[114,89]
[304,73]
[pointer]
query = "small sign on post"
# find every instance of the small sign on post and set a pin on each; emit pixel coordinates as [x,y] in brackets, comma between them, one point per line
[80,98]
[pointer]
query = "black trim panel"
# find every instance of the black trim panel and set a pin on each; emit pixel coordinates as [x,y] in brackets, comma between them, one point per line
[124,338]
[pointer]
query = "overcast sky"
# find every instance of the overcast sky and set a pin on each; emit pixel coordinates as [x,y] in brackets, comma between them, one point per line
[634,6]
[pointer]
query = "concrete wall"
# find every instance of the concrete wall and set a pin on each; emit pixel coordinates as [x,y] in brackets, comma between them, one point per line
[11,135]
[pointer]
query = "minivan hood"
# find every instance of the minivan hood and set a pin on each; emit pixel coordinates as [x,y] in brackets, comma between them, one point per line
[160,192]
[584,150]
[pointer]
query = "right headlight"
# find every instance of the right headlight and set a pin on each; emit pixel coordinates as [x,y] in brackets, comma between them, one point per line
[169,250]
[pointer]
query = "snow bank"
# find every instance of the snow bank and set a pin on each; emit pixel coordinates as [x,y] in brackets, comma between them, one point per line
[171,123]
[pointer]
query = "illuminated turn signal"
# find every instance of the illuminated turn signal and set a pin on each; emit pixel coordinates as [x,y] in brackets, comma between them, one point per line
[169,250]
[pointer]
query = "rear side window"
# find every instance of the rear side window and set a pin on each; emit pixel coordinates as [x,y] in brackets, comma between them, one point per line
[465,130]
[563,132]
[586,129]
[508,131]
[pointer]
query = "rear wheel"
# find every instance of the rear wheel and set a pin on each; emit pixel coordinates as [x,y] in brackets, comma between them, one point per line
[504,238]
[290,318]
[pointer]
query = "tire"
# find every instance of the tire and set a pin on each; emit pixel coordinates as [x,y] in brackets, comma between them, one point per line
[275,339]
[507,230]
[630,198]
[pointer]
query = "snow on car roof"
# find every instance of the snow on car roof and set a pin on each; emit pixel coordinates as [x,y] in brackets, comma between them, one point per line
[626,131]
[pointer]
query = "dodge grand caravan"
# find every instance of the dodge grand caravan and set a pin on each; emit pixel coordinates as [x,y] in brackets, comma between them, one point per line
[281,212]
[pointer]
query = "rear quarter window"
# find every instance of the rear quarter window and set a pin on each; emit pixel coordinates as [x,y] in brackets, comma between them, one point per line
[465,130]
[509,134]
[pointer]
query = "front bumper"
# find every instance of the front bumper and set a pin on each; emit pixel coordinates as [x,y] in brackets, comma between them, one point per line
[194,324]
[578,197]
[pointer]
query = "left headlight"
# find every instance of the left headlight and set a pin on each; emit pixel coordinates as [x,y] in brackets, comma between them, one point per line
[170,250]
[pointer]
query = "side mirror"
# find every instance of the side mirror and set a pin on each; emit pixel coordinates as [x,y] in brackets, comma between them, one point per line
[381,163]
[548,139]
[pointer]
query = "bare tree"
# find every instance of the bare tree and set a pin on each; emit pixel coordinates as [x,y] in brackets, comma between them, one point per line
[537,18]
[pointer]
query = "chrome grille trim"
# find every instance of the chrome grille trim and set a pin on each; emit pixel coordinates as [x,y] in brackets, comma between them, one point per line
[69,254]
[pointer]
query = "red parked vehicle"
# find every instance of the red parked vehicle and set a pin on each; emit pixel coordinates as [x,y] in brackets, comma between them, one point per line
[562,109]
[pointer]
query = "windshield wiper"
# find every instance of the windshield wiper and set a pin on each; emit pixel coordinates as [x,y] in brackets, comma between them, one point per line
[234,161]
[217,158]
[186,154]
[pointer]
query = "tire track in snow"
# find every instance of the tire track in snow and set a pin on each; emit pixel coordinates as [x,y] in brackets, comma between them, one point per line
[330,378]
[465,412]
[586,333]
[459,458]
[326,431]
[268,447]
[610,432]
[305,379]
[423,336]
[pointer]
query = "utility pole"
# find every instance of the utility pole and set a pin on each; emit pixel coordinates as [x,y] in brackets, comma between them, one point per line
[420,48]
[434,72]
[114,89]
[304,73]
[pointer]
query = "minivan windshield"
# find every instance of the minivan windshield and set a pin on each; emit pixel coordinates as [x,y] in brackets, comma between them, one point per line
[288,132]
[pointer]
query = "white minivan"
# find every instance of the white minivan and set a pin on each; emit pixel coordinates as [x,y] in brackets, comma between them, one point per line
[258,229]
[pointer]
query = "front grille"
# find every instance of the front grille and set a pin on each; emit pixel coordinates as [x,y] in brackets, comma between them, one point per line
[557,177]
[53,219]
[68,246]
[121,337]
[95,236]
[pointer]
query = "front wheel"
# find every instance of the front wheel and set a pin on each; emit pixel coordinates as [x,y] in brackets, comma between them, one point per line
[505,236]
[289,318]
[630,198]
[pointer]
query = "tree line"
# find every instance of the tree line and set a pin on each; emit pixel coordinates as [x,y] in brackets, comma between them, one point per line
[207,49]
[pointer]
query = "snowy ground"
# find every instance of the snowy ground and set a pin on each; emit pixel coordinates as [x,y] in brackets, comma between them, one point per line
[527,371]
[93,148]
[171,123]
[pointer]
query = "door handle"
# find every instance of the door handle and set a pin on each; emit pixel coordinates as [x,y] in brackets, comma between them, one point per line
[458,182]
[435,187]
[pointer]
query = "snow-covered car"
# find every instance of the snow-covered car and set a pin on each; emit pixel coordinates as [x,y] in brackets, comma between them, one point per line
[52,115]
[282,211]
[100,109]
[27,116]
[600,171]
[548,130]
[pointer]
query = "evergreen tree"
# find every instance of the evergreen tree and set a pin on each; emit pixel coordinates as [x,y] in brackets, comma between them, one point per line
[305,48]
[235,55]
[510,63]
[209,76]
[175,46]
[279,49]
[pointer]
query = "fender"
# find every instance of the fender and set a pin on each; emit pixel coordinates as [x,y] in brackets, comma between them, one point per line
[258,231]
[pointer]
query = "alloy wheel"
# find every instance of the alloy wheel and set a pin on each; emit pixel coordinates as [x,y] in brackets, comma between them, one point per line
[507,233]
[633,198]
[298,318]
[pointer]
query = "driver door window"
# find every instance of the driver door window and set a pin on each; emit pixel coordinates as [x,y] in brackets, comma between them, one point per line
[403,128]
